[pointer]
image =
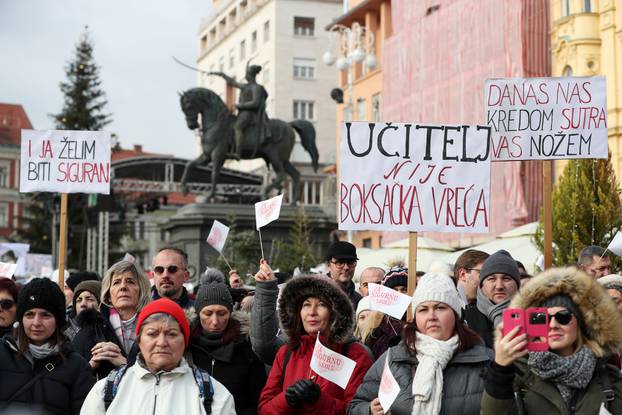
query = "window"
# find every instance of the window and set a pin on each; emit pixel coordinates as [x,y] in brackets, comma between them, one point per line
[565,8]
[375,108]
[304,68]
[4,215]
[361,110]
[242,50]
[567,71]
[366,242]
[231,58]
[303,110]
[203,43]
[587,6]
[4,176]
[304,26]
[265,70]
[266,31]
[254,41]
[221,64]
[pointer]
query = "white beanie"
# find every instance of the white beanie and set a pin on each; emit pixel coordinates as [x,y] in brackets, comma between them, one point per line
[437,287]
[364,304]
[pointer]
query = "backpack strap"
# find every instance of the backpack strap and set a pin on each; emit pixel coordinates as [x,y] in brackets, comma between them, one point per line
[288,354]
[206,388]
[605,384]
[112,384]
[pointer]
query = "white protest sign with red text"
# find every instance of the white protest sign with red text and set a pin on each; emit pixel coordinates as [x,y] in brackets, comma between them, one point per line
[331,365]
[7,270]
[389,388]
[388,300]
[547,118]
[218,235]
[414,177]
[268,210]
[65,161]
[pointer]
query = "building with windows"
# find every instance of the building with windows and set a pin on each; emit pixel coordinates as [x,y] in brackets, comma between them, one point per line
[287,39]
[586,40]
[13,119]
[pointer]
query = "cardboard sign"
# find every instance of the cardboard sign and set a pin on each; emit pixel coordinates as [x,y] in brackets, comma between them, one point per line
[218,235]
[414,177]
[18,249]
[331,365]
[389,388]
[268,210]
[7,270]
[388,300]
[547,118]
[615,245]
[65,161]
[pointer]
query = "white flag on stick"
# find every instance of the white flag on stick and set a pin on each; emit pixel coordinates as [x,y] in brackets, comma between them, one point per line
[331,365]
[268,210]
[388,301]
[389,388]
[615,245]
[7,270]
[218,235]
[129,257]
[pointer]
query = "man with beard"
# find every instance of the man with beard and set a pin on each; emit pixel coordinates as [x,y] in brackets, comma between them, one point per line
[170,272]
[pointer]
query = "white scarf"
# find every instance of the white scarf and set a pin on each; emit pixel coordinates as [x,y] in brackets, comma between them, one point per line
[433,356]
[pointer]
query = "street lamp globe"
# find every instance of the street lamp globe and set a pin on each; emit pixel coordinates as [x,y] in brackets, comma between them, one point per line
[358,55]
[342,63]
[371,61]
[329,58]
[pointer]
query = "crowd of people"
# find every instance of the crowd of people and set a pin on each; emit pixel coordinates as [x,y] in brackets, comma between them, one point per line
[137,342]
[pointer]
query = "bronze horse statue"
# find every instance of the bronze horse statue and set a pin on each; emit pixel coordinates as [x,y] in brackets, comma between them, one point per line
[217,140]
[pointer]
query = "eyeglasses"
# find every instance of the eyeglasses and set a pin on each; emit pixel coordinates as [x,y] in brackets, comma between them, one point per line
[172,269]
[6,304]
[340,263]
[474,269]
[563,317]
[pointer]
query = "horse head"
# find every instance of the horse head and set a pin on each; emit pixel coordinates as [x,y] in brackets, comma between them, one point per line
[202,101]
[190,109]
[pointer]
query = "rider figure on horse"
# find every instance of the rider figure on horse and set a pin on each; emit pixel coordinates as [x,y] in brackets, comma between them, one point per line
[251,109]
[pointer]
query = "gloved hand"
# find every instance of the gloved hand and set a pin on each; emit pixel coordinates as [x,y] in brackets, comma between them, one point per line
[302,391]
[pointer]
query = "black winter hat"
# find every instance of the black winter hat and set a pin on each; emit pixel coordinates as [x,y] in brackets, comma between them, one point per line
[395,277]
[213,290]
[501,262]
[45,294]
[76,278]
[342,250]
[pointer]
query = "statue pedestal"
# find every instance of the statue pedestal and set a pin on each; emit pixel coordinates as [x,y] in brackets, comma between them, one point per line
[189,227]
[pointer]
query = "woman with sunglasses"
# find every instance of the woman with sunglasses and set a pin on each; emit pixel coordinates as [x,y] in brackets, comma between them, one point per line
[8,299]
[573,376]
[107,339]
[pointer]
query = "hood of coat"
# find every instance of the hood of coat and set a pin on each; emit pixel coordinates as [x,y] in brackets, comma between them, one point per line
[301,288]
[602,320]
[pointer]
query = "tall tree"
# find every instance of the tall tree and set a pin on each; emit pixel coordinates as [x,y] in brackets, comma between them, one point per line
[586,209]
[297,251]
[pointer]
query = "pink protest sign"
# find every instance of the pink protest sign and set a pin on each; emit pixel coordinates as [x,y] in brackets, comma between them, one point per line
[218,235]
[268,210]
[389,388]
[388,301]
[331,365]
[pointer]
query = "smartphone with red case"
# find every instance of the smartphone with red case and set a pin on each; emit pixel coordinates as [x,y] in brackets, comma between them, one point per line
[537,326]
[513,317]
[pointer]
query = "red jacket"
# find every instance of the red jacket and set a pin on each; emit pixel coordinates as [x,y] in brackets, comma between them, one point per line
[332,401]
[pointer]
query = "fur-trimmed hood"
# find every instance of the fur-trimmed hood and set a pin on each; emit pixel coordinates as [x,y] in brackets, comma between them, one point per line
[301,288]
[602,320]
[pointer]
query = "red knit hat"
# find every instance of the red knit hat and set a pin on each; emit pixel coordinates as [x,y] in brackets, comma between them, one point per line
[166,306]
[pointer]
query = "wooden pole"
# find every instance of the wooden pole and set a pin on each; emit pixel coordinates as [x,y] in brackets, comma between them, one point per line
[62,246]
[548,212]
[412,268]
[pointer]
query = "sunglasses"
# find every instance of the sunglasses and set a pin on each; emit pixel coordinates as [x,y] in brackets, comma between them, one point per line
[563,317]
[6,304]
[172,269]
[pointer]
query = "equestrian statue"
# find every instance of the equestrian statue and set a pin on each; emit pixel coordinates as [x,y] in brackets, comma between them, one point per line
[249,134]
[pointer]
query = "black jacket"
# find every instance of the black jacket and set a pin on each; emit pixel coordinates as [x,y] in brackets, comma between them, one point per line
[480,324]
[95,328]
[60,391]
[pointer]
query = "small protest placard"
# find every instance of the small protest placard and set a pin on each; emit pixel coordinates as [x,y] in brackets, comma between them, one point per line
[331,365]
[218,235]
[414,177]
[389,388]
[7,270]
[268,210]
[615,245]
[65,161]
[547,118]
[388,301]
[33,264]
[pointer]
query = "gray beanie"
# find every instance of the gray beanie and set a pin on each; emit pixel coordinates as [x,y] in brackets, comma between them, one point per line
[213,290]
[501,262]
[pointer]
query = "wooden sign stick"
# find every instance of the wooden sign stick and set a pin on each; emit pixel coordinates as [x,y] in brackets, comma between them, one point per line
[62,246]
[412,269]
[547,189]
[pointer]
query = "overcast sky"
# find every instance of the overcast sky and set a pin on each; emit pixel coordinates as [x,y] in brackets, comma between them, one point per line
[133,44]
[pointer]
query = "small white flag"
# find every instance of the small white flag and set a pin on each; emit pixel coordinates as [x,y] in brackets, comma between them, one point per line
[218,235]
[615,245]
[268,210]
[389,388]
[388,301]
[129,258]
[331,365]
[540,262]
[7,270]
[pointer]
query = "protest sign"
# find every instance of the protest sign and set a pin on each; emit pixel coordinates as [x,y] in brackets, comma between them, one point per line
[547,118]
[388,300]
[33,264]
[268,210]
[17,248]
[218,235]
[65,161]
[331,365]
[129,257]
[7,270]
[389,388]
[615,245]
[414,177]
